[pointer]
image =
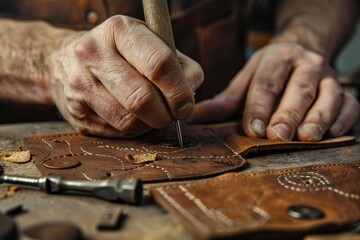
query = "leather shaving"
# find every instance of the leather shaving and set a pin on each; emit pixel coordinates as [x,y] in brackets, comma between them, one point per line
[140,158]
[16,157]
[9,191]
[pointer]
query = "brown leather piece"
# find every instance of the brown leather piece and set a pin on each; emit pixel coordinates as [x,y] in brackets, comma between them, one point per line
[204,154]
[254,205]
[208,150]
[244,145]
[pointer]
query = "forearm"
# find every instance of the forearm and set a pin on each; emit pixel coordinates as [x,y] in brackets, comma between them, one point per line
[318,25]
[24,68]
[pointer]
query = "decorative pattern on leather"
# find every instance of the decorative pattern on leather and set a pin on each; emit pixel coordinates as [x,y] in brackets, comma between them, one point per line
[252,204]
[205,153]
[208,150]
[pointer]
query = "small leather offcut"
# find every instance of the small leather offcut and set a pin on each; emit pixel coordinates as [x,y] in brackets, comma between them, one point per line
[208,150]
[255,205]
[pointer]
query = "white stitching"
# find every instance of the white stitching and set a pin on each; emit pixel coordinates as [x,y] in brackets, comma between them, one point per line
[202,227]
[322,184]
[214,215]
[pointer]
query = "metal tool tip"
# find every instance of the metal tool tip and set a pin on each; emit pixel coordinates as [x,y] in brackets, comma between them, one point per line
[179,134]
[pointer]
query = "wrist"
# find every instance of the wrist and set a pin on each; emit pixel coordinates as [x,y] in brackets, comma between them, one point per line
[54,56]
[300,31]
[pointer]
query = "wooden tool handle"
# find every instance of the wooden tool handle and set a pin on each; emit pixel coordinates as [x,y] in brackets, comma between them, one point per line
[158,20]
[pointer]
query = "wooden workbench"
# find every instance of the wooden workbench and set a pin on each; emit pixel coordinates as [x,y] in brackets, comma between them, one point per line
[147,221]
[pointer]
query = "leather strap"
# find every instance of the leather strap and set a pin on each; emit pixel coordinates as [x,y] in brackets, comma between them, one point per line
[275,204]
[208,150]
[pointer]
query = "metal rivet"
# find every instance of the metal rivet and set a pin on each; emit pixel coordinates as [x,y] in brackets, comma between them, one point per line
[92,17]
[305,212]
[61,163]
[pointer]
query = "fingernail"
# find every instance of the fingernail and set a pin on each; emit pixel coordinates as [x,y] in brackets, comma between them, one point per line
[282,131]
[337,130]
[312,130]
[258,126]
[185,111]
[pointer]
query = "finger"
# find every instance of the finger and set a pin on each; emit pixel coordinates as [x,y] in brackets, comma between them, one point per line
[110,110]
[87,120]
[214,110]
[193,72]
[266,86]
[323,112]
[227,103]
[298,97]
[348,115]
[95,125]
[133,91]
[152,58]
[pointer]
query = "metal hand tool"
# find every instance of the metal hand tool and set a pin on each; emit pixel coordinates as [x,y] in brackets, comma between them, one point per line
[158,20]
[123,190]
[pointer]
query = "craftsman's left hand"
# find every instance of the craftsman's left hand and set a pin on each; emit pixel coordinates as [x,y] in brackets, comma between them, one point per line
[288,91]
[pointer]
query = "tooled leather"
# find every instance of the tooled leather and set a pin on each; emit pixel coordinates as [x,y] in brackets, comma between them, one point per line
[254,205]
[208,150]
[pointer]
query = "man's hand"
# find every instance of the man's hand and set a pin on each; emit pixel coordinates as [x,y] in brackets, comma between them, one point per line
[120,80]
[288,91]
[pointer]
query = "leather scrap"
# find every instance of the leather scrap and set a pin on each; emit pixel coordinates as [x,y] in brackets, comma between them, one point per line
[141,158]
[208,150]
[16,157]
[254,205]
[8,191]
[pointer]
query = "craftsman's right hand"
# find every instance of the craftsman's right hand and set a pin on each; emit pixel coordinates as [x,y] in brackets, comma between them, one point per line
[120,80]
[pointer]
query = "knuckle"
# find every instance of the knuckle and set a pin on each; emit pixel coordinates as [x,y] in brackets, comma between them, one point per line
[307,91]
[78,85]
[316,59]
[78,110]
[126,122]
[291,116]
[160,62]
[288,52]
[322,118]
[86,49]
[123,31]
[130,126]
[257,109]
[116,23]
[180,94]
[139,99]
[180,102]
[267,85]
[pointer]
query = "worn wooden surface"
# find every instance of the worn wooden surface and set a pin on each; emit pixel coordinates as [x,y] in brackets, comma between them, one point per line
[147,221]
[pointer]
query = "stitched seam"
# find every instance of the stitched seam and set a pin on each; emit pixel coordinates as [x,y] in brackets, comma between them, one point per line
[280,171]
[199,225]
